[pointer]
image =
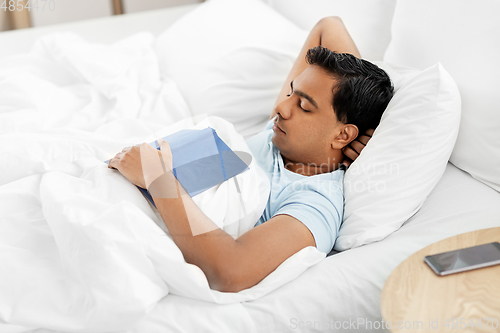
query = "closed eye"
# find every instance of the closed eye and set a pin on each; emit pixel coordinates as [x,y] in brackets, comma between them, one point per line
[299,103]
[303,95]
[300,106]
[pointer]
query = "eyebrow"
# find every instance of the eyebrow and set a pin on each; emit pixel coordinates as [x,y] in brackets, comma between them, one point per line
[303,94]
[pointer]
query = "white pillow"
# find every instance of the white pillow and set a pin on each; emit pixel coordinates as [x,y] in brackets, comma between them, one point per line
[368,21]
[230,59]
[464,36]
[405,158]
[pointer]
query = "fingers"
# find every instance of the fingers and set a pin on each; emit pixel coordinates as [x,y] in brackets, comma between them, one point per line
[115,161]
[158,174]
[154,166]
[350,153]
[363,139]
[151,165]
[347,162]
[355,148]
[359,144]
[110,164]
[166,154]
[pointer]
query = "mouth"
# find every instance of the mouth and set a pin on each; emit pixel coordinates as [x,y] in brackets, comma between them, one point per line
[276,128]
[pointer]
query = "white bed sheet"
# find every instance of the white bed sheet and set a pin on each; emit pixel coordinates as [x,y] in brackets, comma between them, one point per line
[346,287]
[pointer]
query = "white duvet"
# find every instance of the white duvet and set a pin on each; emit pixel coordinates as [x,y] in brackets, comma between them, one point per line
[81,249]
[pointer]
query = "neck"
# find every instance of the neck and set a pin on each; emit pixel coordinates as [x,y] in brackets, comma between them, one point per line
[311,169]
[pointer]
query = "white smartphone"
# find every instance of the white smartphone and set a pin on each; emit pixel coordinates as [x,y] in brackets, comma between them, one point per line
[464,259]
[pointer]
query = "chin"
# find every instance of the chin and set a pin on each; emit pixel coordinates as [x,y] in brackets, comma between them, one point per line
[282,148]
[277,142]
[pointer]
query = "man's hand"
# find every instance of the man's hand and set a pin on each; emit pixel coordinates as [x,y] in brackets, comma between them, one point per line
[128,163]
[142,164]
[352,150]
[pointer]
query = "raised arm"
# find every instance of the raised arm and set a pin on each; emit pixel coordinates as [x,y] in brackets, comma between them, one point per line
[329,32]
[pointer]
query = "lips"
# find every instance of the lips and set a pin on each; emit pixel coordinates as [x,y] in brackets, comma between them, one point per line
[278,127]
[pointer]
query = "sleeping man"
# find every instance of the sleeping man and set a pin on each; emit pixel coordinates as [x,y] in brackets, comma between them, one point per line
[330,97]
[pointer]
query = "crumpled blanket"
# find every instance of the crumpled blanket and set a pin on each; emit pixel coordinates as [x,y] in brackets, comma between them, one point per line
[81,249]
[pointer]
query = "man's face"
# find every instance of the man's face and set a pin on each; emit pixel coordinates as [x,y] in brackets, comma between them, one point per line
[306,123]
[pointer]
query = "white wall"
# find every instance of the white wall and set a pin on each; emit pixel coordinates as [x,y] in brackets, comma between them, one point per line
[132,6]
[69,10]
[76,10]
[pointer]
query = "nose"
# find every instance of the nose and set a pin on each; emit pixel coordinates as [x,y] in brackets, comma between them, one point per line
[283,109]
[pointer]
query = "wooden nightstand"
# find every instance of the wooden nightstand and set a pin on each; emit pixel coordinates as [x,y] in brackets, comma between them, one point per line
[414,299]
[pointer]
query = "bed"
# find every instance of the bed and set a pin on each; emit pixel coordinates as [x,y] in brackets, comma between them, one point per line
[119,76]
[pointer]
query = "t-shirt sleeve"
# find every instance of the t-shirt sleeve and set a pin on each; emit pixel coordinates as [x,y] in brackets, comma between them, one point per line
[319,209]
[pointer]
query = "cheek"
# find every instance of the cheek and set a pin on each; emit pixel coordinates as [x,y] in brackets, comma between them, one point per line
[322,135]
[313,132]
[306,141]
[302,134]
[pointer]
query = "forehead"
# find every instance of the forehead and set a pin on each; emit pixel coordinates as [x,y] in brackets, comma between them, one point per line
[317,83]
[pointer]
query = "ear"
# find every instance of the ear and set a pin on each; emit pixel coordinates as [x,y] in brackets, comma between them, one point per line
[348,132]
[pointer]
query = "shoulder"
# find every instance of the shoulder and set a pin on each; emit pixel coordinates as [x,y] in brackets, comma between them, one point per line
[317,202]
[319,197]
[327,184]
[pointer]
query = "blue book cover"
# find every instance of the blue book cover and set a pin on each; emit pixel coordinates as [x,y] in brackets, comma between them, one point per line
[200,160]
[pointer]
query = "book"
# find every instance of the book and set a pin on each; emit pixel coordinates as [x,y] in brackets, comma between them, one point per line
[200,160]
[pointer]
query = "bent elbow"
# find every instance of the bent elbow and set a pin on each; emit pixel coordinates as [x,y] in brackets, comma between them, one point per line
[330,19]
[230,283]
[226,285]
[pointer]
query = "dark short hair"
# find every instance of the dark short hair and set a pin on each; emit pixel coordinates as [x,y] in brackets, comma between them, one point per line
[363,89]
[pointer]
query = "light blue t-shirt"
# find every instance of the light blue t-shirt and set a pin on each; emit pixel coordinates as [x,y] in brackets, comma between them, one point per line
[317,201]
